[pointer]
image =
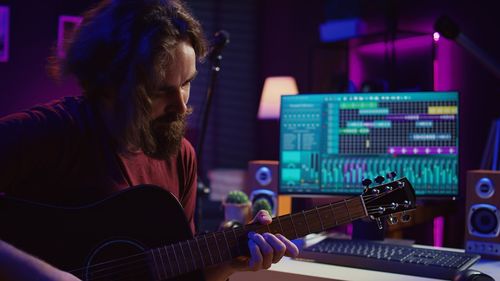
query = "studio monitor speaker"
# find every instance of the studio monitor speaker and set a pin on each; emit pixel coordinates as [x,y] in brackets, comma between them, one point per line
[263,181]
[482,230]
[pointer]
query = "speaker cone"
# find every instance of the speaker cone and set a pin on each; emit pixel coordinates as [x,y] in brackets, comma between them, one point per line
[484,220]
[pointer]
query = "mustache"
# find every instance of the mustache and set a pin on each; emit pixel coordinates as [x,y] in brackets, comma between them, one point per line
[173,117]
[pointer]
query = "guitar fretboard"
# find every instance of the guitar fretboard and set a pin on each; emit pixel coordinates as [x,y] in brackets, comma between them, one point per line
[218,247]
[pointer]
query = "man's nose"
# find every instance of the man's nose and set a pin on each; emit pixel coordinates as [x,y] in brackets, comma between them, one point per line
[180,104]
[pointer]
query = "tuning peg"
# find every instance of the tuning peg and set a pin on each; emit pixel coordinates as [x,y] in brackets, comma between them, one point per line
[366,183]
[392,219]
[379,223]
[391,175]
[379,179]
[405,217]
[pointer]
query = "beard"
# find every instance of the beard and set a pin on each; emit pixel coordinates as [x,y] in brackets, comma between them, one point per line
[167,132]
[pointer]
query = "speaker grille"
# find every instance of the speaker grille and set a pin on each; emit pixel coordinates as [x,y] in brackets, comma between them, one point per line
[484,220]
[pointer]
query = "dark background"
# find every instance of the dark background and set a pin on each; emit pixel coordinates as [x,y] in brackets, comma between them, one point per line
[280,37]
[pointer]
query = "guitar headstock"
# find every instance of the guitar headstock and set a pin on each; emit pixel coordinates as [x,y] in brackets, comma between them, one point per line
[384,200]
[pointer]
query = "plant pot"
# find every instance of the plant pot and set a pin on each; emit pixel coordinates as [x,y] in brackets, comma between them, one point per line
[238,212]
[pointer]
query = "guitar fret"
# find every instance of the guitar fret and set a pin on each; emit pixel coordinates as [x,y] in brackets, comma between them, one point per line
[237,243]
[199,250]
[348,214]
[176,259]
[320,220]
[192,255]
[268,229]
[156,264]
[305,221]
[162,263]
[294,229]
[227,244]
[184,257]
[168,258]
[333,214]
[218,248]
[209,252]
[365,211]
[281,227]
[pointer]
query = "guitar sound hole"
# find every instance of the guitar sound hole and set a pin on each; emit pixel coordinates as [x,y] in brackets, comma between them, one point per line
[118,260]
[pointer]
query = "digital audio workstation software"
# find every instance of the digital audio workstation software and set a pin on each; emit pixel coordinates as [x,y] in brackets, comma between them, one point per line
[330,142]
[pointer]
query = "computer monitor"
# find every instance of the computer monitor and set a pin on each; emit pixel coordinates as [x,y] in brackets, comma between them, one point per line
[330,142]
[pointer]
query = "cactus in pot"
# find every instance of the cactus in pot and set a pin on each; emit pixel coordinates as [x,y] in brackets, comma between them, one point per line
[237,207]
[261,204]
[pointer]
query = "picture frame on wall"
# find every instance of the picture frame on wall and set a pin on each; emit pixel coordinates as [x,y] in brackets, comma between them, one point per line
[66,28]
[4,33]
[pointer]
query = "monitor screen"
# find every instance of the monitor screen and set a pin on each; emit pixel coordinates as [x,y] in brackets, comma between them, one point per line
[329,143]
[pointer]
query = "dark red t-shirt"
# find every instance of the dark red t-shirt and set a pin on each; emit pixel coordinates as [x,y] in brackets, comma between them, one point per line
[60,154]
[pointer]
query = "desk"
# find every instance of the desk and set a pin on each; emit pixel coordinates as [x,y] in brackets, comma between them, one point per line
[295,270]
[298,270]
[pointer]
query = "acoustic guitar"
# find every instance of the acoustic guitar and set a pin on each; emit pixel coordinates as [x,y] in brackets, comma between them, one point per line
[142,233]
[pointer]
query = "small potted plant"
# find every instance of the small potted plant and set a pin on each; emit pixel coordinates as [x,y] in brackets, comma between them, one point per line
[261,204]
[237,207]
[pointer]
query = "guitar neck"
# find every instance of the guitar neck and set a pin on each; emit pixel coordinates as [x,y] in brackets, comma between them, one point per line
[219,247]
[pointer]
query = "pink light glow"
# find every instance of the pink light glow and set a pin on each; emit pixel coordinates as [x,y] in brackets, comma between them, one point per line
[435,66]
[349,229]
[436,36]
[438,231]
[355,67]
[447,69]
[403,46]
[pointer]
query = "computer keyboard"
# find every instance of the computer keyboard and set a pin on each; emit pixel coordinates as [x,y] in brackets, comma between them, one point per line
[408,260]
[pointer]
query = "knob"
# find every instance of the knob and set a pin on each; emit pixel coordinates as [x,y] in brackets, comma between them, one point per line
[379,179]
[392,219]
[391,175]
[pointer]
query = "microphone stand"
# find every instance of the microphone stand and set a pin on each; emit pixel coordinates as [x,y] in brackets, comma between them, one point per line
[449,29]
[203,190]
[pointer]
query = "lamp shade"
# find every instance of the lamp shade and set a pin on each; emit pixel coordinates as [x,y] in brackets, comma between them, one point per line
[274,88]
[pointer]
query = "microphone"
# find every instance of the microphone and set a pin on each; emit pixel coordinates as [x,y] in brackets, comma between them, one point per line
[449,29]
[221,39]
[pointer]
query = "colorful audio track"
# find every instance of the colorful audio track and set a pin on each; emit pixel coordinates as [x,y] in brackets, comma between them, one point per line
[331,142]
[431,176]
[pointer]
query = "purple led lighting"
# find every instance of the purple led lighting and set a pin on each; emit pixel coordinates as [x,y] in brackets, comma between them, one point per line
[438,231]
[447,69]
[4,33]
[349,229]
[355,66]
[62,32]
[403,46]
[435,36]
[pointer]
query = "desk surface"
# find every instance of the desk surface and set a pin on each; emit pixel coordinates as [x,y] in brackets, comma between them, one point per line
[297,270]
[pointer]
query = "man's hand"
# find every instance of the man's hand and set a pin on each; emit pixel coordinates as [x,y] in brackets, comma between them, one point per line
[265,249]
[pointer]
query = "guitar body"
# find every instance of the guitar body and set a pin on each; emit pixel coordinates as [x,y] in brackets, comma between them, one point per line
[84,240]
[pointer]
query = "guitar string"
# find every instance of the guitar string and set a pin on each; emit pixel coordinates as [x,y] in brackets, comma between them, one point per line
[341,222]
[145,265]
[138,258]
[107,265]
